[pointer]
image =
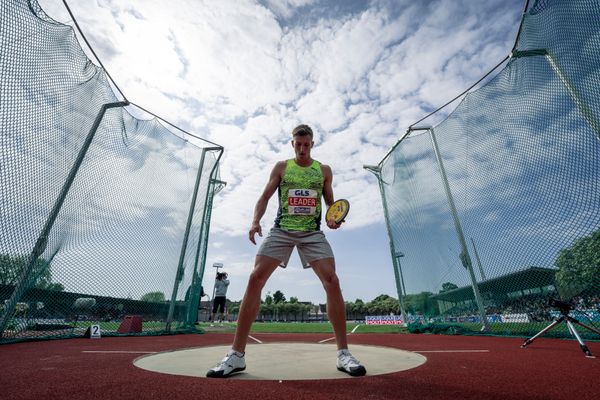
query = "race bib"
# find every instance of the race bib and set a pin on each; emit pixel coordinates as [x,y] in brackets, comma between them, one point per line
[302,202]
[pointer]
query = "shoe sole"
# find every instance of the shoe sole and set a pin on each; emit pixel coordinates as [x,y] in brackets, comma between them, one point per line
[220,374]
[358,372]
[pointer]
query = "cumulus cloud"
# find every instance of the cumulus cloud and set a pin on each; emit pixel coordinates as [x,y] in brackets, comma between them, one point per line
[243,73]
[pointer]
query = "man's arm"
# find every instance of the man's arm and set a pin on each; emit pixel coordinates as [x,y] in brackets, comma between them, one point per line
[328,192]
[263,200]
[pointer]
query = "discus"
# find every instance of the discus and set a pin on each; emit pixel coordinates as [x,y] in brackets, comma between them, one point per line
[338,211]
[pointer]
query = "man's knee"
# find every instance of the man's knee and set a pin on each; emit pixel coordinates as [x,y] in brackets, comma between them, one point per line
[263,269]
[257,279]
[331,282]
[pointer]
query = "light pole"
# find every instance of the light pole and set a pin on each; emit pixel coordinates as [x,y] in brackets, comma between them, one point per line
[217,266]
[399,255]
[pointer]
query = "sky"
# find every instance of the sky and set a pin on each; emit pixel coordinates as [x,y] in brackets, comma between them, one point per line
[243,74]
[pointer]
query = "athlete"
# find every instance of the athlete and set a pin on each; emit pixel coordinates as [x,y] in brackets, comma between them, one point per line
[220,299]
[301,182]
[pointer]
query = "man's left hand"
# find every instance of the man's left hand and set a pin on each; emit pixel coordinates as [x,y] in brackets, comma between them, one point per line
[333,225]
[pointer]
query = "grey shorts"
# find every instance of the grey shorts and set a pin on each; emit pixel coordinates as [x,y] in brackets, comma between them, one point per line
[279,243]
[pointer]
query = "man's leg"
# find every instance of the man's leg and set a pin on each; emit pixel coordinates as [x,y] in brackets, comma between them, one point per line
[263,268]
[336,309]
[234,361]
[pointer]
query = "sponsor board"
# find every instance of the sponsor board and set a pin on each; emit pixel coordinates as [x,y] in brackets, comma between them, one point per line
[515,317]
[383,320]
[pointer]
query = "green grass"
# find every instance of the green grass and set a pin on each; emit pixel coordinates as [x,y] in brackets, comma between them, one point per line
[308,327]
[113,326]
[515,329]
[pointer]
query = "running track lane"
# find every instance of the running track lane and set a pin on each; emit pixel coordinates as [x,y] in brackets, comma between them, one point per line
[79,369]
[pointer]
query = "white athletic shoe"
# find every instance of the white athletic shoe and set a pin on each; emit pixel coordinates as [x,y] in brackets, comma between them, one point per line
[232,362]
[348,364]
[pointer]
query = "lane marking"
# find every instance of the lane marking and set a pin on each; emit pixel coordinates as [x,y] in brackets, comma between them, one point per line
[253,338]
[327,340]
[332,338]
[450,351]
[119,351]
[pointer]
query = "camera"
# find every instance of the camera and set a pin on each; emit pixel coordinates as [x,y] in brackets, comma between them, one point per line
[561,305]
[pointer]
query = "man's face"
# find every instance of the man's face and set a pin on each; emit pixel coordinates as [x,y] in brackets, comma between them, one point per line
[302,146]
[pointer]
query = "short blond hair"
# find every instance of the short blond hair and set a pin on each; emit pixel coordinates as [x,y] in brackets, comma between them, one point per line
[302,130]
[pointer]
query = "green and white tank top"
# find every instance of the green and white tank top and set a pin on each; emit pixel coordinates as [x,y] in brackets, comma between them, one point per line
[300,193]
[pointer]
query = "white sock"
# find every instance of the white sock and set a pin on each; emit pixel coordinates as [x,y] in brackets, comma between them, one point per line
[237,353]
[342,351]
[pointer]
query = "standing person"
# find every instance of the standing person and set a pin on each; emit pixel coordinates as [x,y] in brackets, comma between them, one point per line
[301,182]
[221,285]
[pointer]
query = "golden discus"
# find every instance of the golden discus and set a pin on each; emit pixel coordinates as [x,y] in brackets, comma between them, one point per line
[338,211]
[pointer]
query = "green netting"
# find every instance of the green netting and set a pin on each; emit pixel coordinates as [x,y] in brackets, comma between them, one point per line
[522,159]
[127,235]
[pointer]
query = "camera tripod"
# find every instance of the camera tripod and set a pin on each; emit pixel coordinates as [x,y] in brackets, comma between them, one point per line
[564,310]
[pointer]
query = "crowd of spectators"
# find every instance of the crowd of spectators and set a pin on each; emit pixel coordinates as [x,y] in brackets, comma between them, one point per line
[535,306]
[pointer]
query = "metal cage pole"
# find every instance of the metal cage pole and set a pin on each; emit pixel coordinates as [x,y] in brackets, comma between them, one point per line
[376,170]
[194,290]
[464,255]
[203,257]
[42,240]
[478,261]
[398,256]
[583,108]
[194,297]
[180,269]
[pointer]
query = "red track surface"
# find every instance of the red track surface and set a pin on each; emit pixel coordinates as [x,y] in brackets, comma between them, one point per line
[548,369]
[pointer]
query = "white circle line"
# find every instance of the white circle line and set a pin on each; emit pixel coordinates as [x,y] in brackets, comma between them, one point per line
[119,351]
[450,351]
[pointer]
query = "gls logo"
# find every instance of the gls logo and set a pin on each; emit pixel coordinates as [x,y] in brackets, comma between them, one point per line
[299,192]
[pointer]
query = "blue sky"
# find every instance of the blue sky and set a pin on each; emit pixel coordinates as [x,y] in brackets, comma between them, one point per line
[244,73]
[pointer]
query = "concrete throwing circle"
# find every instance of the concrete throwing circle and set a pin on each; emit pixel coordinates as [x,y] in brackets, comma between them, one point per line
[281,361]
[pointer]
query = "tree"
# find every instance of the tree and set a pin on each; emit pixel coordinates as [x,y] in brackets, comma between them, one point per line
[382,305]
[41,276]
[154,297]
[446,287]
[278,297]
[265,309]
[421,303]
[292,308]
[268,300]
[293,300]
[381,297]
[579,267]
[359,307]
[350,308]
[234,309]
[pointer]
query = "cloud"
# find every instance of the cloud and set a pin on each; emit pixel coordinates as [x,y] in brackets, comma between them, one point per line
[244,73]
[287,8]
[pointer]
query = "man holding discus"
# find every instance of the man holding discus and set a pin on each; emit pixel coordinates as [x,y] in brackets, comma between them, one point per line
[300,182]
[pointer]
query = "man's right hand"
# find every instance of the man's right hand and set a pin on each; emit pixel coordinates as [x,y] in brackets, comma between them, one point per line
[254,229]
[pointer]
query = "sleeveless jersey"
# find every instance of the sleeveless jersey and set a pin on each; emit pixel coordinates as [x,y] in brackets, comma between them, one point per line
[300,193]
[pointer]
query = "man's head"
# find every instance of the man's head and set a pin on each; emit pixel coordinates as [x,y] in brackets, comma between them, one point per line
[302,130]
[302,141]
